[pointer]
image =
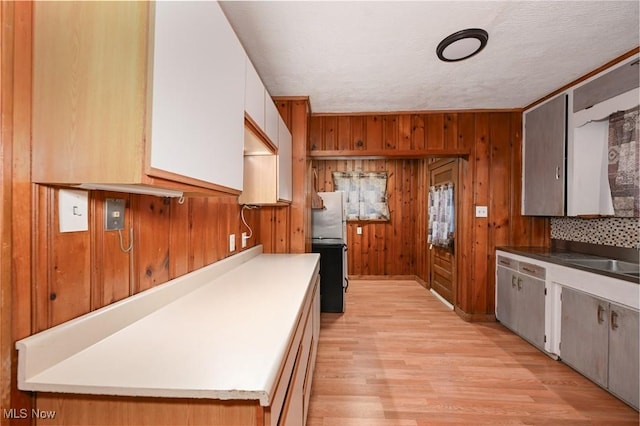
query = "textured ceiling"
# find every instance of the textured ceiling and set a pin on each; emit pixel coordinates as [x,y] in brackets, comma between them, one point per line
[367,56]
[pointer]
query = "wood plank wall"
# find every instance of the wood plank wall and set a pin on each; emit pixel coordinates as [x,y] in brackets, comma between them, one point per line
[288,229]
[383,248]
[490,176]
[78,272]
[47,277]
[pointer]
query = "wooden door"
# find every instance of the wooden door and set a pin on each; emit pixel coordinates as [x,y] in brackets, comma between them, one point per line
[442,261]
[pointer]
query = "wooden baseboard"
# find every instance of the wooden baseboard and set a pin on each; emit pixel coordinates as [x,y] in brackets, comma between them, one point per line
[422,282]
[475,317]
[384,277]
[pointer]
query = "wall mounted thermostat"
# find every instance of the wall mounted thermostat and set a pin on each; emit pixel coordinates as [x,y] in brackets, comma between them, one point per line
[114,214]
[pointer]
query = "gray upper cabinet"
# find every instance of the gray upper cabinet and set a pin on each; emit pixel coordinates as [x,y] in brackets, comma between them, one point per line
[607,86]
[545,135]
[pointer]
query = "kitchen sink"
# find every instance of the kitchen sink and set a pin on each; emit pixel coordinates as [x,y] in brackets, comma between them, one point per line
[609,265]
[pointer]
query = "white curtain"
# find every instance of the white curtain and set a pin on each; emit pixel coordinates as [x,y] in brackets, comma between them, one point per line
[366,194]
[441,215]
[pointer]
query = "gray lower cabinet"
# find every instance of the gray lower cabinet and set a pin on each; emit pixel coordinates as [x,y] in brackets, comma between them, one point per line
[520,299]
[545,136]
[624,354]
[600,340]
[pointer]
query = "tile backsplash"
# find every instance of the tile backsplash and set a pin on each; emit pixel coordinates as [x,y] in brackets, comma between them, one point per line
[619,231]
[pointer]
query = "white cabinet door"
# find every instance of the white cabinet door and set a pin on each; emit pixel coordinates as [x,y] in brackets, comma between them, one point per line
[254,99]
[272,117]
[198,89]
[285,190]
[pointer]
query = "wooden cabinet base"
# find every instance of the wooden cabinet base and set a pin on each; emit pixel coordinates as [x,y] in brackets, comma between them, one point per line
[87,410]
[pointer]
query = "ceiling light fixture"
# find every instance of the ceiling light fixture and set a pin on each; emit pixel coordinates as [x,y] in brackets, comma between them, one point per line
[462,44]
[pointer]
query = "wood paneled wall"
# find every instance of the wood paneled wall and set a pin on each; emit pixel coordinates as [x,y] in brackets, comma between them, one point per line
[47,277]
[490,176]
[383,248]
[287,229]
[78,272]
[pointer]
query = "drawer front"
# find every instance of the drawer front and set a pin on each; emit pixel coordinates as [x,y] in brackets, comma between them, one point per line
[533,270]
[508,262]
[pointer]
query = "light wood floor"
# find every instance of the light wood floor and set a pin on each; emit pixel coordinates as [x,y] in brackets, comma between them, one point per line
[399,357]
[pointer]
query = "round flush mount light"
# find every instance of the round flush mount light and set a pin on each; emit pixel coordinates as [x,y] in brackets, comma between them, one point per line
[462,45]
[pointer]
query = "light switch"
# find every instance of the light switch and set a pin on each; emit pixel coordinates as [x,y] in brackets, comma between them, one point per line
[73,207]
[359,230]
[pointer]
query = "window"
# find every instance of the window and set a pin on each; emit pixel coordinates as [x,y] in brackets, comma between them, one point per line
[366,194]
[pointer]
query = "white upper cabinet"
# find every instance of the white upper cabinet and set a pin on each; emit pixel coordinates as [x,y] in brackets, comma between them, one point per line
[268,176]
[255,96]
[272,117]
[285,170]
[259,106]
[198,94]
[137,95]
[592,102]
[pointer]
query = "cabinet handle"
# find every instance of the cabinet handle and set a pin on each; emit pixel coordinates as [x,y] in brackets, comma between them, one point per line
[524,268]
[600,312]
[557,172]
[519,283]
[513,281]
[614,320]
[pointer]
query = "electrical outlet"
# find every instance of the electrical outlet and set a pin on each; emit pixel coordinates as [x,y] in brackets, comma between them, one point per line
[482,211]
[114,214]
[244,239]
[359,230]
[232,242]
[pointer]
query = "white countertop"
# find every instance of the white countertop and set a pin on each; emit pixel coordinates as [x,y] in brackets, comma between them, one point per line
[225,339]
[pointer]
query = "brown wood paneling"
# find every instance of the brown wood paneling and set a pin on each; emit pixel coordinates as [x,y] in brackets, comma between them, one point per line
[151,241]
[285,229]
[489,174]
[344,141]
[500,196]
[197,225]
[179,240]
[300,220]
[390,132]
[373,133]
[70,276]
[89,410]
[111,274]
[417,131]
[481,185]
[434,128]
[383,248]
[466,244]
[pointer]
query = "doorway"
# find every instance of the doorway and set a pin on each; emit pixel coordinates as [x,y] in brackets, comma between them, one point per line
[443,177]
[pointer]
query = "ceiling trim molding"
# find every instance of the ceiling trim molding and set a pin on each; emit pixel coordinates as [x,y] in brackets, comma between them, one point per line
[412,112]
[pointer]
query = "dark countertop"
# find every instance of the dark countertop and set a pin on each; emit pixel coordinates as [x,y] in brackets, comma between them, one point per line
[563,257]
[335,242]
